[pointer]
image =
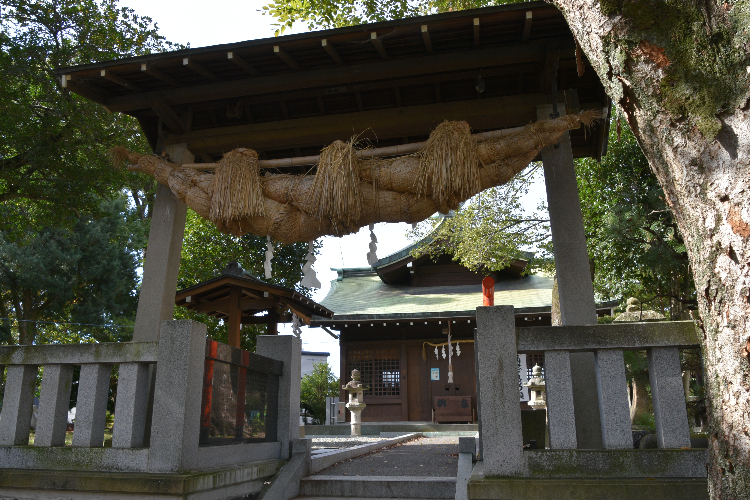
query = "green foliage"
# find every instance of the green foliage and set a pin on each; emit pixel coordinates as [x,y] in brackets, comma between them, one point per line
[54,149]
[206,253]
[83,272]
[490,230]
[315,388]
[632,236]
[337,13]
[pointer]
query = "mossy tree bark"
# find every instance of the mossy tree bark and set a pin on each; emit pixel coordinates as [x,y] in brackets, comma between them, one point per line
[678,71]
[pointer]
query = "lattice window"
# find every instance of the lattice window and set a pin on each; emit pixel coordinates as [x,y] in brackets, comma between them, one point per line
[379,369]
[534,359]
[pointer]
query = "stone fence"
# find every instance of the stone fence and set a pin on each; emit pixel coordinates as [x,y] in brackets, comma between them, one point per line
[161,398]
[501,447]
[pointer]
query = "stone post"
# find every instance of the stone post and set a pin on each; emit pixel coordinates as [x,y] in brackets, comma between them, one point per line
[54,399]
[613,399]
[667,393]
[156,298]
[576,292]
[17,405]
[131,406]
[500,424]
[91,413]
[177,397]
[288,350]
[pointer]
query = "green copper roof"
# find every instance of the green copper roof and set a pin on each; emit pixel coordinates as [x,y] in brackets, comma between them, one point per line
[362,294]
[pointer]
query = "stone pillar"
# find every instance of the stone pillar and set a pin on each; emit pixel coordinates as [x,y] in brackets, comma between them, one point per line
[20,382]
[288,350]
[613,399]
[668,396]
[560,410]
[496,355]
[52,420]
[177,397]
[131,406]
[576,292]
[91,412]
[156,298]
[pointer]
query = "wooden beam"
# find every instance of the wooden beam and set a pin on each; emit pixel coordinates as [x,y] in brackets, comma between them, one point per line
[241,63]
[228,304]
[150,70]
[343,75]
[113,77]
[580,66]
[549,74]
[234,324]
[168,116]
[426,38]
[186,61]
[476,32]
[386,123]
[321,106]
[378,45]
[289,60]
[80,87]
[527,26]
[332,52]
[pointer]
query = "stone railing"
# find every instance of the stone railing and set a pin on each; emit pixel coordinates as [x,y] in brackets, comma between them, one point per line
[501,446]
[154,430]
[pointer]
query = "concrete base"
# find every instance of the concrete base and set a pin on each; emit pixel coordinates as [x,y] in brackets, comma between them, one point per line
[379,487]
[239,481]
[587,489]
[378,428]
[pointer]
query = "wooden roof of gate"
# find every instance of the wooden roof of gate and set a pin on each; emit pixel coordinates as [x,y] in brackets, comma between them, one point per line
[290,96]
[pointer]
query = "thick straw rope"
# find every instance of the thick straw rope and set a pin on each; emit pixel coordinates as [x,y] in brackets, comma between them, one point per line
[350,192]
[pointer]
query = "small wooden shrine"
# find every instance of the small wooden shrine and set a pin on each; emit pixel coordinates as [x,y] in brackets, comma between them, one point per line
[239,298]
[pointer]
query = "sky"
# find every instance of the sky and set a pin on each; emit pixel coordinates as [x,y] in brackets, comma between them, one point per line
[229,21]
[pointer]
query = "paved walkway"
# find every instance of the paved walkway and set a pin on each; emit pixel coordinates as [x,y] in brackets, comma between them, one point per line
[428,457]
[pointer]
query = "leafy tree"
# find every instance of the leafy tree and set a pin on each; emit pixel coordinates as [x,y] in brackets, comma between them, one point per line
[53,152]
[315,388]
[490,230]
[83,275]
[206,253]
[632,235]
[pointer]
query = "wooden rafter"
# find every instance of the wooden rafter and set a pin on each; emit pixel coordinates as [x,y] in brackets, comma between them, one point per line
[198,68]
[149,69]
[284,56]
[241,63]
[426,38]
[113,77]
[332,52]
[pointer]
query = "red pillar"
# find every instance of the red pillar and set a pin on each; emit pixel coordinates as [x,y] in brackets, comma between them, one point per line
[488,291]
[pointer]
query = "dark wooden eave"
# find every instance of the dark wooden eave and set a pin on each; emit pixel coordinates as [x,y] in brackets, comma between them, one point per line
[213,297]
[290,96]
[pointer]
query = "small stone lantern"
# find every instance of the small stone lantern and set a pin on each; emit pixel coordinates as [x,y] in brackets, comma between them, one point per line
[356,402]
[536,385]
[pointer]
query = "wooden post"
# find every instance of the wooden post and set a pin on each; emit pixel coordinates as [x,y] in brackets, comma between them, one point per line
[239,418]
[488,291]
[208,389]
[235,318]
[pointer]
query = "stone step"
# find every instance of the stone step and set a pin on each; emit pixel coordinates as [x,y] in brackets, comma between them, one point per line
[373,487]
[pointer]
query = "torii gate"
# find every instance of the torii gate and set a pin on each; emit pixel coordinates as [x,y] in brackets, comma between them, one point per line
[287,97]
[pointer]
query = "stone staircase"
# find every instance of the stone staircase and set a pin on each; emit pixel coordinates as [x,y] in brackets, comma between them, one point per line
[377,487]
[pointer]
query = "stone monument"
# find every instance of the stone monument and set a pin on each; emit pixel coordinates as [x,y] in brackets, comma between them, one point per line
[356,402]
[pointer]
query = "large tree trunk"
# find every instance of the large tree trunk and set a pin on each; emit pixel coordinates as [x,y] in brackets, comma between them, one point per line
[678,71]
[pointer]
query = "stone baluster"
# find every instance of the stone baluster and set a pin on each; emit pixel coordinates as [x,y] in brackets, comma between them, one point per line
[667,394]
[560,409]
[91,406]
[500,411]
[52,420]
[614,408]
[17,405]
[131,406]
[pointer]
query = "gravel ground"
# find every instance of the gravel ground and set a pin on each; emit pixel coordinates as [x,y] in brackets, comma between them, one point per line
[342,442]
[430,457]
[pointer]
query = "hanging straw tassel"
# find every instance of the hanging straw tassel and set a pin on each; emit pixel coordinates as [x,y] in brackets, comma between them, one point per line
[336,187]
[236,192]
[448,166]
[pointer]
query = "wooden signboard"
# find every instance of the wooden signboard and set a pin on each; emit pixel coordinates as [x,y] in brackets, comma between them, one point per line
[453,409]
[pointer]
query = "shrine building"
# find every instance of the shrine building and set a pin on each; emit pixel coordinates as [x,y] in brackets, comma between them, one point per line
[394,316]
